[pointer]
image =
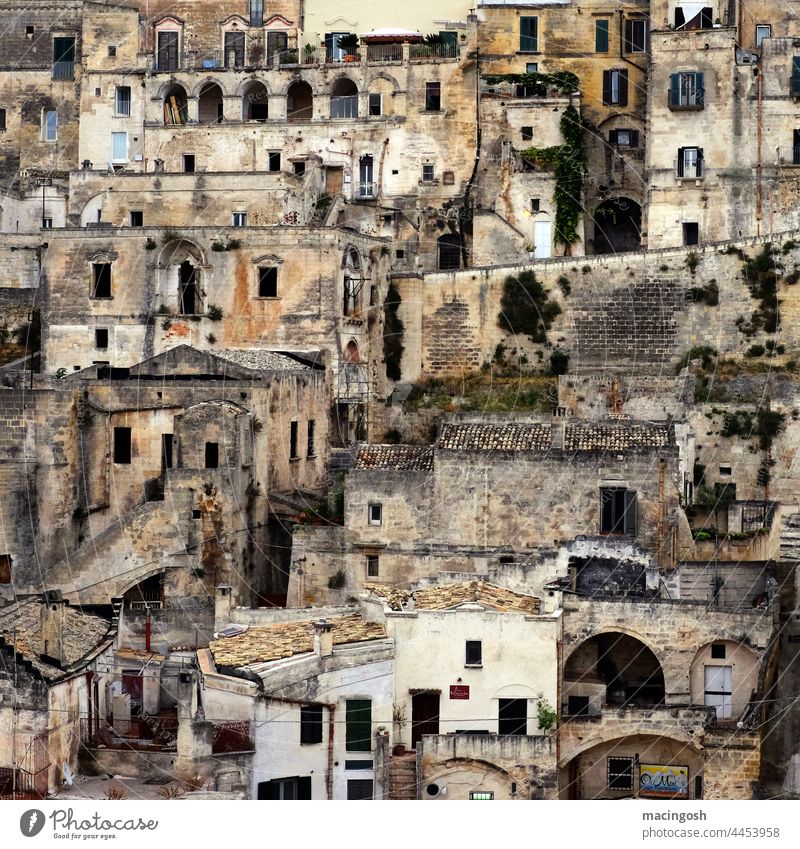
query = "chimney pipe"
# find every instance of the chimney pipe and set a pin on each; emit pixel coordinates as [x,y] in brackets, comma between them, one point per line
[323,638]
[222,607]
[53,617]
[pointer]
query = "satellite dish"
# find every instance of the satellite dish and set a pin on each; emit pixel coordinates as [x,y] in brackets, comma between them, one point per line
[68,776]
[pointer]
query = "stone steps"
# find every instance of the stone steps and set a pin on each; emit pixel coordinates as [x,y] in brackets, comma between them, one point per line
[403,777]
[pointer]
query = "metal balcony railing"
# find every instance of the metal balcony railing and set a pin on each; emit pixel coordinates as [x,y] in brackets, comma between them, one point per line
[434,51]
[384,53]
[692,100]
[787,155]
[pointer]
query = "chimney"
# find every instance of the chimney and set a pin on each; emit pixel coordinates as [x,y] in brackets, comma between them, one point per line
[323,638]
[222,607]
[53,618]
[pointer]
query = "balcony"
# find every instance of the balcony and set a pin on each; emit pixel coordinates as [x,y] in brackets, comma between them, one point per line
[142,734]
[787,156]
[63,70]
[680,101]
[382,53]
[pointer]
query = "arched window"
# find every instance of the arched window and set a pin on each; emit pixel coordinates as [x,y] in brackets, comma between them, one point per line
[211,108]
[344,99]
[254,102]
[175,105]
[449,247]
[299,102]
[188,290]
[353,283]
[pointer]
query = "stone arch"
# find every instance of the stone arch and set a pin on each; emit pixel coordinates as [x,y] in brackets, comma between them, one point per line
[340,81]
[255,100]
[386,86]
[211,103]
[344,97]
[299,101]
[617,225]
[175,103]
[352,353]
[140,576]
[740,681]
[207,81]
[611,668]
[452,776]
[177,250]
[381,75]
[89,210]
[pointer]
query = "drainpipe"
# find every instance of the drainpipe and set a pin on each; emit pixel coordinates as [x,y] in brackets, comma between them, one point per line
[329,776]
[760,89]
[661,509]
[148,630]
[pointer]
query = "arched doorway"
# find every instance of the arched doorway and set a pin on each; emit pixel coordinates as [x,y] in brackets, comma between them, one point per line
[299,102]
[449,252]
[175,105]
[344,99]
[188,290]
[210,104]
[254,102]
[617,226]
[611,669]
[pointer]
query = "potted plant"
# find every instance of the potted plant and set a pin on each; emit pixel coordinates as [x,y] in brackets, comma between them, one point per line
[349,43]
[309,52]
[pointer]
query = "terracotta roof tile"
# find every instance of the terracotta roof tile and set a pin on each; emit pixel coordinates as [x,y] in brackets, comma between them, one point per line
[448,596]
[401,458]
[616,436]
[284,639]
[496,437]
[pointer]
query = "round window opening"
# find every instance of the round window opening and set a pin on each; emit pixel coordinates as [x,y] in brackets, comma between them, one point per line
[432,789]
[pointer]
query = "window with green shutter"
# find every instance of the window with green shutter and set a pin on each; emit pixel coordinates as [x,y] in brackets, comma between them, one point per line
[528,35]
[358,725]
[601,36]
[795,81]
[687,90]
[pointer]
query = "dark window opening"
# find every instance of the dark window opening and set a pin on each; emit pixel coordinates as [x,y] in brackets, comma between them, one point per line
[359,788]
[433,97]
[64,58]
[102,280]
[188,291]
[274,160]
[527,133]
[137,218]
[635,36]
[473,655]
[601,36]
[620,773]
[795,145]
[513,717]
[310,724]
[310,446]
[2,120]
[101,337]
[29,31]
[358,725]
[234,50]
[615,87]
[293,453]
[212,455]
[373,564]
[167,52]
[286,789]
[268,282]
[528,35]
[698,787]
[166,455]
[535,204]
[718,651]
[5,568]
[188,163]
[617,511]
[449,252]
[122,445]
[578,705]
[691,233]
[277,45]
[300,168]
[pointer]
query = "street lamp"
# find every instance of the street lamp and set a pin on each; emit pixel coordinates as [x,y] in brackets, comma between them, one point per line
[44,182]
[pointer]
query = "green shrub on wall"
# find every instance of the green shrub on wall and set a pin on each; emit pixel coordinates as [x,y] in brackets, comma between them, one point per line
[526,308]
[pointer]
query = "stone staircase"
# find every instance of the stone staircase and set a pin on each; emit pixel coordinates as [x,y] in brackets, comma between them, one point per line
[403,776]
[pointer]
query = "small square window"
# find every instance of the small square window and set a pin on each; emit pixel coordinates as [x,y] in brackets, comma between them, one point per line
[29,31]
[101,337]
[620,773]
[274,162]
[725,471]
[300,168]
[400,254]
[268,282]
[428,173]
[531,67]
[718,651]
[188,163]
[137,218]
[473,655]
[535,203]
[47,224]
[112,50]
[372,565]
[375,514]
[527,133]
[239,219]
[433,97]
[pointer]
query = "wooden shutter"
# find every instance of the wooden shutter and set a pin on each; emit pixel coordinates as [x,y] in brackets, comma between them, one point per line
[630,513]
[634,138]
[607,87]
[674,89]
[623,88]
[680,161]
[304,787]
[358,725]
[612,137]
[601,37]
[699,161]
[699,87]
[628,36]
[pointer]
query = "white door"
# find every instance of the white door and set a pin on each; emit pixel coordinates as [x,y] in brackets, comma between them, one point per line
[718,690]
[119,147]
[542,239]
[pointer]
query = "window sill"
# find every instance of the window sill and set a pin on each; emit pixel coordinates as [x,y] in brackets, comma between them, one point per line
[295,459]
[473,666]
[428,183]
[529,52]
[267,297]
[101,297]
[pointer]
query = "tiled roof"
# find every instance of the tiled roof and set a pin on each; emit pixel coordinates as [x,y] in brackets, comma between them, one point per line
[261,360]
[284,639]
[21,626]
[616,436]
[496,437]
[400,458]
[448,596]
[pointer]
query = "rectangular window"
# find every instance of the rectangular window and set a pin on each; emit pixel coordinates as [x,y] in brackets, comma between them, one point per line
[268,282]
[624,138]
[256,13]
[690,162]
[167,52]
[513,717]
[311,446]
[286,789]
[122,445]
[718,651]
[101,279]
[119,147]
[137,218]
[5,568]
[686,90]
[615,87]
[691,233]
[366,763]
[50,125]
[101,337]
[375,105]
[718,690]
[531,67]
[535,205]
[300,168]
[359,788]
[428,173]
[617,511]
[481,795]
[762,31]
[635,36]
[601,36]
[212,455]
[795,79]
[473,654]
[293,454]
[375,514]
[527,134]
[47,224]
[358,725]
[433,97]
[188,163]
[620,773]
[578,705]
[2,120]
[528,35]
[310,724]
[274,161]
[373,565]
[64,57]
[123,100]
[234,49]
[239,219]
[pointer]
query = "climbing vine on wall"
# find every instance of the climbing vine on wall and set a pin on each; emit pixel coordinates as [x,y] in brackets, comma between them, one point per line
[392,334]
[564,82]
[526,307]
[568,162]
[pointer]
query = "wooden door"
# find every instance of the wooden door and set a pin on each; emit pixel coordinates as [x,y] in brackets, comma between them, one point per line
[424,715]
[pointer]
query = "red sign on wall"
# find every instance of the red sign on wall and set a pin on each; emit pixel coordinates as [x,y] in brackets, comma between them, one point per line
[459,691]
